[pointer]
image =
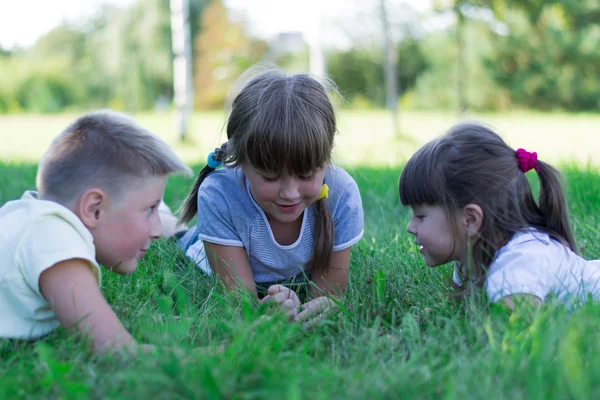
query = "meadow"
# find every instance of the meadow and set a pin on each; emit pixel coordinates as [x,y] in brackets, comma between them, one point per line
[398,334]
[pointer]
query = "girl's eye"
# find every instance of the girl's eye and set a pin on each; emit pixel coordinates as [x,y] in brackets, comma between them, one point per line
[270,178]
[306,177]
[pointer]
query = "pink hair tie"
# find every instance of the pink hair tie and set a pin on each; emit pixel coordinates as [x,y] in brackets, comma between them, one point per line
[527,161]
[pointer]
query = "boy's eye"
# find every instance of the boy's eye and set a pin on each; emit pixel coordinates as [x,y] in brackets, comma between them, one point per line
[307,177]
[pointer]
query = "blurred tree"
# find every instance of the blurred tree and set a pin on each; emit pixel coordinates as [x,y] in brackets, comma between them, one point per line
[550,57]
[359,74]
[223,52]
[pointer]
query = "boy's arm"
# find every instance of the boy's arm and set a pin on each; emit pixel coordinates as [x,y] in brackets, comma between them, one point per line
[73,293]
[230,264]
[334,280]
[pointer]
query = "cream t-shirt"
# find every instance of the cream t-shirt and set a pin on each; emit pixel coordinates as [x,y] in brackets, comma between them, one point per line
[34,236]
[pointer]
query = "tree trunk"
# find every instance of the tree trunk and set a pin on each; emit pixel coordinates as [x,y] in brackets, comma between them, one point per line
[461,84]
[182,64]
[391,100]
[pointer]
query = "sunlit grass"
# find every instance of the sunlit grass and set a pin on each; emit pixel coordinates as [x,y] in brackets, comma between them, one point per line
[366,137]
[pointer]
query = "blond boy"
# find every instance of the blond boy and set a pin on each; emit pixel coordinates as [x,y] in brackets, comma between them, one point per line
[100,185]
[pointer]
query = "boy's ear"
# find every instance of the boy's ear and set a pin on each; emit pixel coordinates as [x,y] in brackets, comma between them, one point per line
[473,218]
[91,206]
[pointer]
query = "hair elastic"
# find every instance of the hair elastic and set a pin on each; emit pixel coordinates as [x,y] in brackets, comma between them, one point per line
[527,161]
[324,194]
[212,162]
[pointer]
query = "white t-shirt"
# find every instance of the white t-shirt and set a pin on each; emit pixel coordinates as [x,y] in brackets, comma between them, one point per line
[533,263]
[34,236]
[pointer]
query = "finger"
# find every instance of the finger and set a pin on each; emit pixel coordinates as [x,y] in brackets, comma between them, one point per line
[311,323]
[274,289]
[266,298]
[312,308]
[289,304]
[289,295]
[292,313]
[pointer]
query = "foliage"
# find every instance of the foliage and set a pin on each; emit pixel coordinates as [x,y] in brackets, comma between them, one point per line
[544,57]
[223,51]
[359,72]
[550,60]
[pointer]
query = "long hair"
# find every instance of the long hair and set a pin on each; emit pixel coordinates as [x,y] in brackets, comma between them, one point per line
[279,123]
[472,165]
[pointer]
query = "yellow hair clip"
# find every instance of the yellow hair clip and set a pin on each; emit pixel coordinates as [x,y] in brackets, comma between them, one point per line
[324,192]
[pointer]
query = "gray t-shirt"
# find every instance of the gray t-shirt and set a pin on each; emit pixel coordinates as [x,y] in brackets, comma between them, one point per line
[228,215]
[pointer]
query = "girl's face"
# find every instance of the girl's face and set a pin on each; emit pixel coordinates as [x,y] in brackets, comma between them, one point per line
[284,197]
[438,241]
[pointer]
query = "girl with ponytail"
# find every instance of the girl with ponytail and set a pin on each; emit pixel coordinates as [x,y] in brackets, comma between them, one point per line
[472,205]
[273,214]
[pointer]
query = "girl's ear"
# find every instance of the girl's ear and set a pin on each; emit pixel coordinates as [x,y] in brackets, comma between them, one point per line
[473,218]
[90,207]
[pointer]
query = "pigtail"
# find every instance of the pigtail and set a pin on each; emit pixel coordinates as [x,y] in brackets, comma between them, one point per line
[190,206]
[553,205]
[323,240]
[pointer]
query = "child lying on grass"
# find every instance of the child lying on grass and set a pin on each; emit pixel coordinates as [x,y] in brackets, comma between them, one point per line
[472,205]
[99,185]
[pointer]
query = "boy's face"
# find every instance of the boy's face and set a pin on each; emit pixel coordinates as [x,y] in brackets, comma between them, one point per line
[438,242]
[128,226]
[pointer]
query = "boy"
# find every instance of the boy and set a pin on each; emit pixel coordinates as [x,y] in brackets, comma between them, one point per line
[100,185]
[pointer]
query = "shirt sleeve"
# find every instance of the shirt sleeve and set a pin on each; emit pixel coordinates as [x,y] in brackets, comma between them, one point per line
[522,269]
[48,242]
[348,219]
[215,222]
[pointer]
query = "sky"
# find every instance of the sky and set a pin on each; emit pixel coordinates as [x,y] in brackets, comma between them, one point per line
[19,26]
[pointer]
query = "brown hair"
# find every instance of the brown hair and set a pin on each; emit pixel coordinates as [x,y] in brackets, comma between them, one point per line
[105,149]
[472,165]
[277,123]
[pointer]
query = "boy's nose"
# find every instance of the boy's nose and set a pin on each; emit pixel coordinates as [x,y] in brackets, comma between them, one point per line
[156,230]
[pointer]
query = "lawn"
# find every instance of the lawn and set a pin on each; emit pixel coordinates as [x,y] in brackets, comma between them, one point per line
[397,336]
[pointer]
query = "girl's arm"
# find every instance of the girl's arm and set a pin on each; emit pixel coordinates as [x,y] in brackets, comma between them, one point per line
[73,293]
[230,264]
[511,301]
[334,280]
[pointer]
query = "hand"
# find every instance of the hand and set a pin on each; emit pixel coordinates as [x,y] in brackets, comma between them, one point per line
[315,310]
[285,297]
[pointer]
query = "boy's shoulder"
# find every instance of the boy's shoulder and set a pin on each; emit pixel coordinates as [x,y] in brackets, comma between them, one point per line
[29,211]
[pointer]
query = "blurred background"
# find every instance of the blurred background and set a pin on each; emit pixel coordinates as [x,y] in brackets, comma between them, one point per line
[405,70]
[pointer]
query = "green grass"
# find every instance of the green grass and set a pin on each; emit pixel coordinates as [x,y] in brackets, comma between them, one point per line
[398,336]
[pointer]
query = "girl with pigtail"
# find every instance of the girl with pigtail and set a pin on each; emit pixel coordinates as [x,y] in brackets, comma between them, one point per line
[472,205]
[273,214]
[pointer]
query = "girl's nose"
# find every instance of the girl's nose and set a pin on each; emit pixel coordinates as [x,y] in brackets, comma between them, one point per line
[410,228]
[289,190]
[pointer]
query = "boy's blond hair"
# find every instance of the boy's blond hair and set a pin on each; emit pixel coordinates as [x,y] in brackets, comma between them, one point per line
[103,149]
